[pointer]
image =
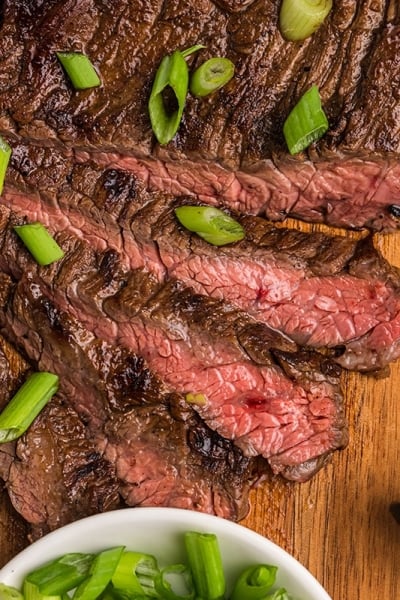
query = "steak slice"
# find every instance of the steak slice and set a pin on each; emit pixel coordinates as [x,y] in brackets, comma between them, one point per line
[248,382]
[140,443]
[55,473]
[322,291]
[230,147]
[165,455]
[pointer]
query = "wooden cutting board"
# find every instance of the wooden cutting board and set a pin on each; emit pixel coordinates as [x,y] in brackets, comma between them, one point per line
[339,524]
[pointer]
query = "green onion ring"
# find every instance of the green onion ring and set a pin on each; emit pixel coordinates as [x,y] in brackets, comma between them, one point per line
[172,74]
[254,582]
[211,76]
[298,19]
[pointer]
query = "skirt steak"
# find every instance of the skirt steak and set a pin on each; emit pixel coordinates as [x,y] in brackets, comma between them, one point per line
[322,291]
[230,147]
[234,354]
[248,382]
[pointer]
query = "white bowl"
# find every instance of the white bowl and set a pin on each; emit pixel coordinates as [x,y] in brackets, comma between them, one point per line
[159,531]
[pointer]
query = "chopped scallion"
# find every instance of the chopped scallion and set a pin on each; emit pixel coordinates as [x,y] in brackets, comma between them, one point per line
[26,404]
[175,583]
[205,562]
[101,572]
[168,94]
[79,69]
[198,399]
[191,50]
[39,242]
[8,592]
[32,592]
[306,123]
[211,76]
[172,78]
[135,575]
[298,19]
[120,574]
[254,583]
[5,153]
[211,224]
[280,594]
[61,575]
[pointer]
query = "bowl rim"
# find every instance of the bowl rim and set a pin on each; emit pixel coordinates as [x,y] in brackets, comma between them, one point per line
[205,521]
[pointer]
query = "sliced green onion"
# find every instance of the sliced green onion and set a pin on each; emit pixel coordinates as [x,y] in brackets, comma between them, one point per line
[198,399]
[135,575]
[109,594]
[39,242]
[211,76]
[191,50]
[101,572]
[32,592]
[61,575]
[298,19]
[175,583]
[172,77]
[205,562]
[280,594]
[79,69]
[5,153]
[211,224]
[306,123]
[8,592]
[254,583]
[26,404]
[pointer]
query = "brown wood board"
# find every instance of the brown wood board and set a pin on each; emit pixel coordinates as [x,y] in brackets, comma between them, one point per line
[339,524]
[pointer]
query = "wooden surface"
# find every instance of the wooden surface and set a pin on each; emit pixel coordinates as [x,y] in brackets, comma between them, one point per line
[338,525]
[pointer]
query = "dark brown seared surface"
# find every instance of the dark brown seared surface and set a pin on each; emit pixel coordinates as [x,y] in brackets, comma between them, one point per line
[323,291]
[116,434]
[350,57]
[253,385]
[56,474]
[230,145]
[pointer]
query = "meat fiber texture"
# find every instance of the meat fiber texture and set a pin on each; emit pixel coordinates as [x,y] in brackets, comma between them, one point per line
[225,330]
[229,149]
[253,387]
[113,436]
[321,291]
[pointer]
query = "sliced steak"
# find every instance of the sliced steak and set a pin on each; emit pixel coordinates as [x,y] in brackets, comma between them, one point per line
[5,379]
[230,147]
[167,456]
[323,291]
[57,474]
[150,445]
[248,382]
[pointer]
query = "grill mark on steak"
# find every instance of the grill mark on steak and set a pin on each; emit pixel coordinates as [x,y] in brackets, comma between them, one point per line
[230,146]
[192,343]
[144,435]
[159,464]
[319,290]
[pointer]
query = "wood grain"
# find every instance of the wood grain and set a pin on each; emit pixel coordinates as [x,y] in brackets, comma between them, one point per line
[338,525]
